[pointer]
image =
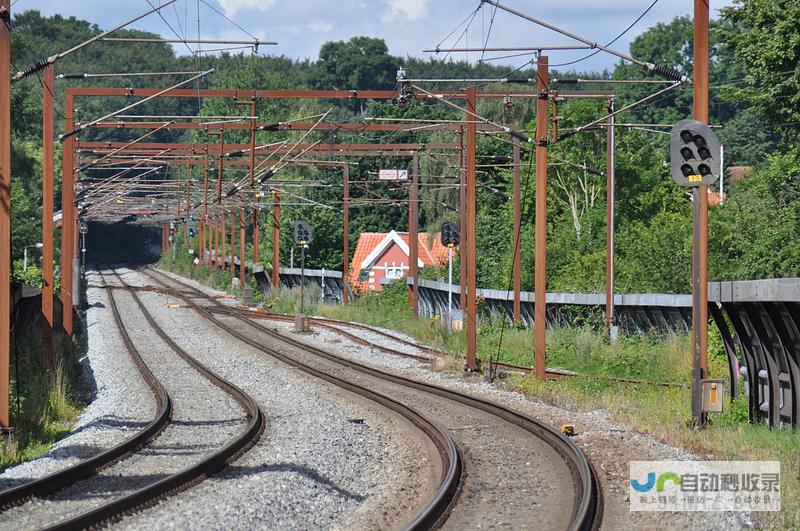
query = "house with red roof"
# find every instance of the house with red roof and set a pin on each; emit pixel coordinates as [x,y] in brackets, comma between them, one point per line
[382,255]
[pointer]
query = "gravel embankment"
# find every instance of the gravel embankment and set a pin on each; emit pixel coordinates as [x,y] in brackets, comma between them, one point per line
[327,459]
[122,403]
[203,419]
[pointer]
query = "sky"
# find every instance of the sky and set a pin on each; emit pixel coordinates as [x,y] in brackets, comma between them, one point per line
[408,26]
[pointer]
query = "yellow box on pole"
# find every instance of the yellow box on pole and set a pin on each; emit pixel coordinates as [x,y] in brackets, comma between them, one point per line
[713,395]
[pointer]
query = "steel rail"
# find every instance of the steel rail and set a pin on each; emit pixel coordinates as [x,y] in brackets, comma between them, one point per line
[88,467]
[438,507]
[196,473]
[587,511]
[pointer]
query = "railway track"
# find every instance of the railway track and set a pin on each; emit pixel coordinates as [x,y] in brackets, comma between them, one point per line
[548,482]
[140,471]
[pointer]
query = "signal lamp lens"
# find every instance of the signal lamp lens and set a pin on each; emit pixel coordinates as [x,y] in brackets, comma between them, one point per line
[700,141]
[687,153]
[687,170]
[704,170]
[704,153]
[686,136]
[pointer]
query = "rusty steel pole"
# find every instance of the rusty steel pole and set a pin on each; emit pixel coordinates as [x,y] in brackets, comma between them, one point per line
[241,249]
[517,265]
[700,220]
[256,237]
[540,262]
[276,239]
[5,212]
[462,212]
[470,315]
[413,235]
[233,244]
[68,215]
[610,216]
[178,190]
[346,234]
[222,238]
[205,185]
[48,150]
[253,144]
[212,245]
[221,165]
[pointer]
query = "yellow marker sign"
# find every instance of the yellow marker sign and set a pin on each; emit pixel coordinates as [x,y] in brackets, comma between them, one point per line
[713,393]
[695,178]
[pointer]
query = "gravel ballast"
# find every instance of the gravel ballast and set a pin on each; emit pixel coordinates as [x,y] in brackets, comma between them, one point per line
[326,459]
[203,419]
[121,404]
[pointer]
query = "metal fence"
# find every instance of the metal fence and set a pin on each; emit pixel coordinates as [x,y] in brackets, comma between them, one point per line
[633,313]
[759,321]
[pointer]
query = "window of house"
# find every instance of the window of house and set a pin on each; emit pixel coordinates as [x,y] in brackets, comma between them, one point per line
[394,272]
[363,275]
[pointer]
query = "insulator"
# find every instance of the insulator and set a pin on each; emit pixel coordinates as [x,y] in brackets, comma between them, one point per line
[568,81]
[32,69]
[71,76]
[669,73]
[593,171]
[519,136]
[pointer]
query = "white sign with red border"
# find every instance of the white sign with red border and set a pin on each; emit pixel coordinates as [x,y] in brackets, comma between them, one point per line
[393,175]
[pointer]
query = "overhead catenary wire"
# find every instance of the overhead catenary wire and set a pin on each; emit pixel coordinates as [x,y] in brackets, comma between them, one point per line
[43,63]
[84,126]
[663,71]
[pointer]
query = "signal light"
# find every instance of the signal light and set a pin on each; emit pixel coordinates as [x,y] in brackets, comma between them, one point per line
[450,234]
[694,150]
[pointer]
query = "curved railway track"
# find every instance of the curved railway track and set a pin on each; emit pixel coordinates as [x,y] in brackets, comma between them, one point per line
[435,509]
[149,494]
[573,492]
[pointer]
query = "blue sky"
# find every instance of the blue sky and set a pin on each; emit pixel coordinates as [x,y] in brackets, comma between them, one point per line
[407,26]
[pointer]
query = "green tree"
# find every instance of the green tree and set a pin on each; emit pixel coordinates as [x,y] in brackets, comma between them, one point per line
[360,63]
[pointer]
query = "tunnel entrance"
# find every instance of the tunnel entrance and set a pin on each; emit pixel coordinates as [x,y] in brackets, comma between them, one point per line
[109,243]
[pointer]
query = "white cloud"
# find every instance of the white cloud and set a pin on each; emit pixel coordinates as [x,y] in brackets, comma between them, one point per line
[405,10]
[319,25]
[231,7]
